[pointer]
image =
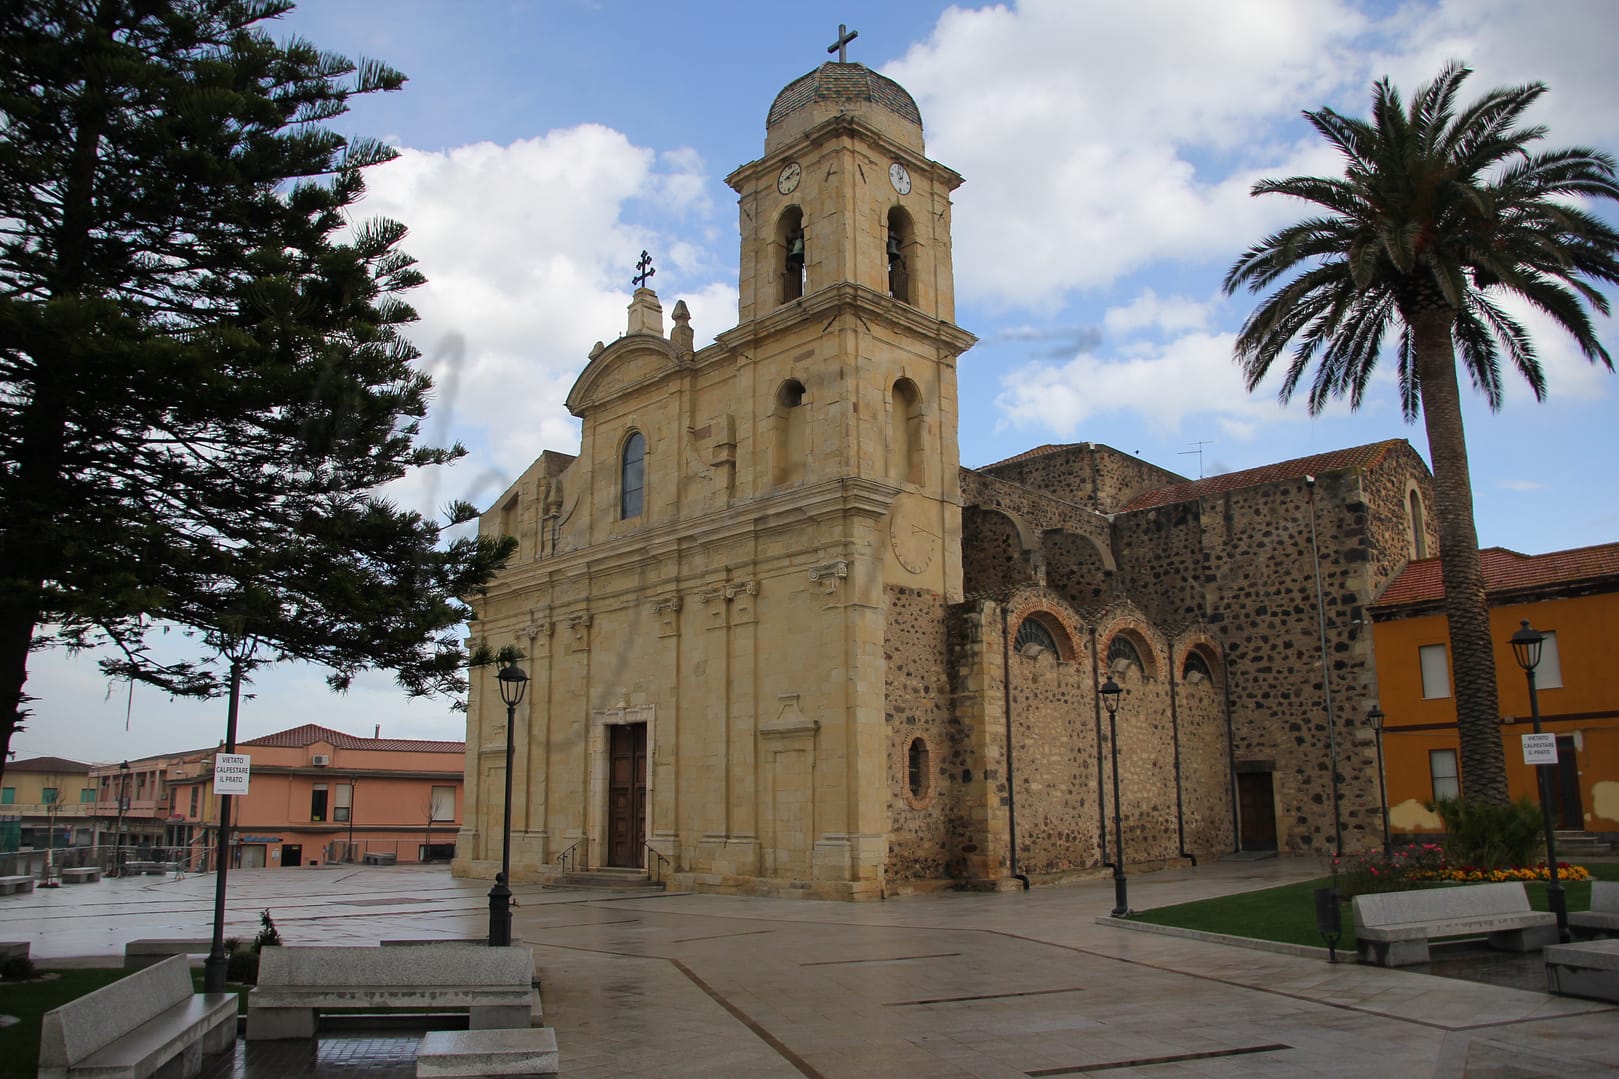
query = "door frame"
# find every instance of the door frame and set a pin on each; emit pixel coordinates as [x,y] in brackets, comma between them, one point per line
[596,823]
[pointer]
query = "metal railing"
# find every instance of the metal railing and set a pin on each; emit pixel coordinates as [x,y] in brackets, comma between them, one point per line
[655,867]
[568,859]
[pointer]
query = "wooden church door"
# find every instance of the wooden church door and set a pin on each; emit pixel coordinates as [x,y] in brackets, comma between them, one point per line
[626,794]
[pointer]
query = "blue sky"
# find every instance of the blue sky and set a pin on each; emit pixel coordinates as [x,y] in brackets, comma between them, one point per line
[1107,149]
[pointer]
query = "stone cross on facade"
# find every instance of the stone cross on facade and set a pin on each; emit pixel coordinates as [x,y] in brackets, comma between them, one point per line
[841,45]
[647,272]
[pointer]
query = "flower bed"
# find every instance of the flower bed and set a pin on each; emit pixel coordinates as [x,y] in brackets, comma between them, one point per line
[1421,865]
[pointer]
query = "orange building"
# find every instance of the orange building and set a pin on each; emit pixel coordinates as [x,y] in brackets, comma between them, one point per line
[1570,596]
[317,795]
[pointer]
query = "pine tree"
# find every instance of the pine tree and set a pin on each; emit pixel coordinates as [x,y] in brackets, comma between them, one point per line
[205,378]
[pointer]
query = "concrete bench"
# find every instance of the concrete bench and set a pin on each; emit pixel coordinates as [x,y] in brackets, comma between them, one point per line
[137,1026]
[13,949]
[151,869]
[378,858]
[12,885]
[83,874]
[1392,929]
[1603,917]
[444,1053]
[143,953]
[495,985]
[1587,969]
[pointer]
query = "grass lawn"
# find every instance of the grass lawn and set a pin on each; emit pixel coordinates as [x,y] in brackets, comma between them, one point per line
[29,1001]
[1287,913]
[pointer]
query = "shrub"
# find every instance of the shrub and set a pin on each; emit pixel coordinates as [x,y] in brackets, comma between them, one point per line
[18,968]
[1487,835]
[267,936]
[242,967]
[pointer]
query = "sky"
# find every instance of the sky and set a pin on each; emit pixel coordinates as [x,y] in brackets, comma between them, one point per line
[1108,151]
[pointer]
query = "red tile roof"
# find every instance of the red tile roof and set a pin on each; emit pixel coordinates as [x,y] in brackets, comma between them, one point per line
[1355,457]
[1505,571]
[310,733]
[47,764]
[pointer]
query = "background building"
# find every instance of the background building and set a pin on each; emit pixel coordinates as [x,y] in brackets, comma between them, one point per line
[1570,596]
[43,795]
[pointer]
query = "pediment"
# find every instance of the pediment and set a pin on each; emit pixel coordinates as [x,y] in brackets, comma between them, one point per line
[629,362]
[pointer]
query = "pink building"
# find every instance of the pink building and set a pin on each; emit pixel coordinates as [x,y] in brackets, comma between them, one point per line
[319,795]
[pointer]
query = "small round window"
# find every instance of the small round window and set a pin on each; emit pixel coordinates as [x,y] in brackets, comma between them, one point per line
[917,770]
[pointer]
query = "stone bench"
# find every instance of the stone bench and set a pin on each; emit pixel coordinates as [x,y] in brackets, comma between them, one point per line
[1603,917]
[151,869]
[83,874]
[495,985]
[1392,929]
[1587,969]
[378,858]
[143,953]
[444,1053]
[12,885]
[149,1022]
[13,949]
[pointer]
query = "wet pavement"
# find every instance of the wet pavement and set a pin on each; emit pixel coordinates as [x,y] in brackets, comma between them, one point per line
[1010,984]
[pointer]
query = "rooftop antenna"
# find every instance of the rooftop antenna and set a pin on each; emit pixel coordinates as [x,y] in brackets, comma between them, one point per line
[1197,448]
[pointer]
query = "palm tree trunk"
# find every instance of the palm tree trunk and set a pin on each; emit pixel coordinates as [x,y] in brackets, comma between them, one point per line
[1472,652]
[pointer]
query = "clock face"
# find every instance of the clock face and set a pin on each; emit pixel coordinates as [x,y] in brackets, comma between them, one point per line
[900,177]
[787,182]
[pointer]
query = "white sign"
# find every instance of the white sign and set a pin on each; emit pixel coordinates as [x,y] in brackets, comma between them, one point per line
[231,773]
[1540,749]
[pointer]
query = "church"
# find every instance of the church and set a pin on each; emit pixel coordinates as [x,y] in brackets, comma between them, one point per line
[780,642]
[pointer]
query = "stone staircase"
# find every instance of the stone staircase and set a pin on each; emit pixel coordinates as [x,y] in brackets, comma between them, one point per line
[1572,846]
[617,880]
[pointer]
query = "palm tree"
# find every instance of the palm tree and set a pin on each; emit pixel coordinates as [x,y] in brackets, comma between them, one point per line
[1439,215]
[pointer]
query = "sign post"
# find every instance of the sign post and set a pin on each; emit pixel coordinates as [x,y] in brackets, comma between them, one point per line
[1540,749]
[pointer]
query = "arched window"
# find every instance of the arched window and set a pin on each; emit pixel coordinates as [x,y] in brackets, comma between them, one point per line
[1195,670]
[900,243]
[1419,530]
[1033,633]
[1121,652]
[790,243]
[792,434]
[905,434]
[632,477]
[917,772]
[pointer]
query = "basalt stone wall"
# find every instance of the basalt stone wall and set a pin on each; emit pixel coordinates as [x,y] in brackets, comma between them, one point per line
[1054,747]
[1258,552]
[1040,511]
[928,826]
[1162,565]
[1097,477]
[992,555]
[1146,742]
[1206,783]
[1075,570]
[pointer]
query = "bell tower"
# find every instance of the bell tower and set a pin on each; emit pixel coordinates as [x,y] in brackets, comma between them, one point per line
[847,308]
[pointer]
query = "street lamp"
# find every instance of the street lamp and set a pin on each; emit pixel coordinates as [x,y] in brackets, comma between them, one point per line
[123,807]
[512,684]
[1374,720]
[1526,646]
[1110,692]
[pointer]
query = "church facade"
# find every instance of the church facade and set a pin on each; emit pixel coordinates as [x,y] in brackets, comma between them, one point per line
[780,642]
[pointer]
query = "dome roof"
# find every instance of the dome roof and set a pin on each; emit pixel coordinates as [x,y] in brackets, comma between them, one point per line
[843,85]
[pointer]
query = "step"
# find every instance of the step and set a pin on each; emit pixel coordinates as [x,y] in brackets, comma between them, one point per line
[614,878]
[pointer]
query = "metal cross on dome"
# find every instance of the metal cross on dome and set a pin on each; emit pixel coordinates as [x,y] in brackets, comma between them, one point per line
[841,45]
[647,272]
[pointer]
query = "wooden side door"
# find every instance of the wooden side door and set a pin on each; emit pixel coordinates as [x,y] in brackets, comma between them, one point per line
[1256,806]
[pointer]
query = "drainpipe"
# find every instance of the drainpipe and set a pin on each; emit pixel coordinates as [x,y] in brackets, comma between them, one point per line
[1175,737]
[1231,751]
[1011,790]
[1096,711]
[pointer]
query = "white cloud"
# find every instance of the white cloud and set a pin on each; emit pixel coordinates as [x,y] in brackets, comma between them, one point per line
[1149,310]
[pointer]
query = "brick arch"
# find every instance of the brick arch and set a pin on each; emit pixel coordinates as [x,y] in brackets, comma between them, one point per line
[1140,637]
[1062,622]
[1200,649]
[996,549]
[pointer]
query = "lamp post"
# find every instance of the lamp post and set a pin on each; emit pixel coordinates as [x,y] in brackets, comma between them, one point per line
[1526,646]
[1110,692]
[512,684]
[354,792]
[123,807]
[1374,720]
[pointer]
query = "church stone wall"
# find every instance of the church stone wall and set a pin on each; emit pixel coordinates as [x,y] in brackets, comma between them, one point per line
[1098,478]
